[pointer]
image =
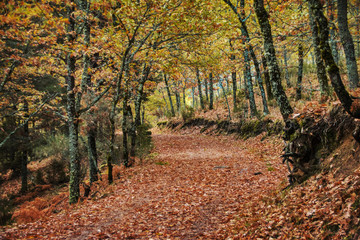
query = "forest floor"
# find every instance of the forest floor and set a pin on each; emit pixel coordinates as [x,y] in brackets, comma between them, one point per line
[191,187]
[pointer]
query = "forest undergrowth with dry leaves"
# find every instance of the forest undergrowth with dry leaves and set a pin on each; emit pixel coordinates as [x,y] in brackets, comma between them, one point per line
[195,186]
[192,187]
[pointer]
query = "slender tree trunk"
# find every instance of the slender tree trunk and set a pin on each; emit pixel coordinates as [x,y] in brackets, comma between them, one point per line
[320,67]
[24,160]
[92,153]
[274,70]
[178,103]
[169,95]
[249,85]
[348,44]
[199,88]
[233,77]
[287,75]
[143,115]
[211,92]
[300,72]
[184,95]
[125,130]
[72,116]
[267,79]
[206,90]
[193,96]
[332,39]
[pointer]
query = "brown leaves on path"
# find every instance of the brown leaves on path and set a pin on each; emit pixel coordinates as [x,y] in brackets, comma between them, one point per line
[192,189]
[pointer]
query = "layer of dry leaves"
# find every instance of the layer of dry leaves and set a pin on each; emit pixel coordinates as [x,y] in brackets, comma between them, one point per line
[193,188]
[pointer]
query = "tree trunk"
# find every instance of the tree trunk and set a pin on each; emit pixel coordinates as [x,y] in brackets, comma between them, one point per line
[261,85]
[206,90]
[331,67]
[211,92]
[193,96]
[320,67]
[300,72]
[233,77]
[287,75]
[249,85]
[24,157]
[92,153]
[178,103]
[184,95]
[267,79]
[199,88]
[348,44]
[274,70]
[169,95]
[72,116]
[332,40]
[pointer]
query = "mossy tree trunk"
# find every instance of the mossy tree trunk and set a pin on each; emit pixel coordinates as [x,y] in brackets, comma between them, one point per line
[249,85]
[72,115]
[332,30]
[320,67]
[199,88]
[300,72]
[274,70]
[169,95]
[348,44]
[269,93]
[24,157]
[211,91]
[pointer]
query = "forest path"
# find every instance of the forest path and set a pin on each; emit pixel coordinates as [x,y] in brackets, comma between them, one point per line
[191,190]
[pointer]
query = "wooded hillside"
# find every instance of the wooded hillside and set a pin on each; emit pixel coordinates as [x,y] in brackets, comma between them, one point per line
[84,85]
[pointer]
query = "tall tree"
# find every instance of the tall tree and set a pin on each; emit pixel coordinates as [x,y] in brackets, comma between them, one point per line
[348,44]
[274,70]
[320,67]
[300,72]
[199,88]
[211,91]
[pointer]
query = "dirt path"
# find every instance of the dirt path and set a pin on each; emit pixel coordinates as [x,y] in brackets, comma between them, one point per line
[191,190]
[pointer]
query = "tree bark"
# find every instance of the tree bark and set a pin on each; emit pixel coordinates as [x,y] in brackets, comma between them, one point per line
[270,55]
[249,85]
[72,116]
[332,31]
[269,93]
[24,160]
[199,88]
[234,86]
[211,91]
[320,67]
[169,95]
[348,44]
[300,72]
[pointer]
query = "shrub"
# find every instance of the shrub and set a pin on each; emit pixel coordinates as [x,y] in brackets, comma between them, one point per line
[6,208]
[187,113]
[54,145]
